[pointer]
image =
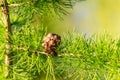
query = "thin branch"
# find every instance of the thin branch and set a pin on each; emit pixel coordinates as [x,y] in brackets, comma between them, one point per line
[20,4]
[70,54]
[44,53]
[6,16]
[16,5]
[27,49]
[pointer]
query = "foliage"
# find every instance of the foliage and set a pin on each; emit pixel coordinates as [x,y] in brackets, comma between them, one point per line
[89,58]
[93,58]
[38,12]
[37,8]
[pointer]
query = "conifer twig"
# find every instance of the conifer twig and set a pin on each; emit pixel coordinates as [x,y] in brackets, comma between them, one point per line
[15,5]
[44,53]
[27,49]
[20,4]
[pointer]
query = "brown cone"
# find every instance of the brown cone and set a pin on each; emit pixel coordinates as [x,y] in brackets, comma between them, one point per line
[50,43]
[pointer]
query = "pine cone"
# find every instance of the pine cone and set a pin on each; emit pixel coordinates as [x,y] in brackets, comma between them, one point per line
[50,43]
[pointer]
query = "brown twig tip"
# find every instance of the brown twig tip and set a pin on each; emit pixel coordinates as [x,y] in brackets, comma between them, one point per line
[50,43]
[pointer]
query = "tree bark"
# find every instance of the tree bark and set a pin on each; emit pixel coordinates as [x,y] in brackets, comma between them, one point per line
[7,24]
